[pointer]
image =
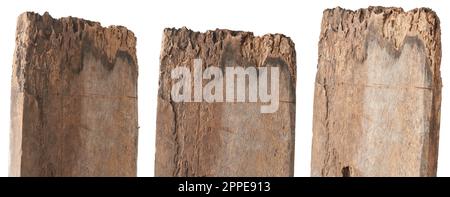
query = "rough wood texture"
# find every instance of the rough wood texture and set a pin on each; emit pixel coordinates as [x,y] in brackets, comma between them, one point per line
[377,93]
[74,100]
[225,139]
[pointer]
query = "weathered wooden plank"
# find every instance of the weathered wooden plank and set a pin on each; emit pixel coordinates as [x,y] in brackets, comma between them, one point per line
[225,137]
[74,99]
[377,93]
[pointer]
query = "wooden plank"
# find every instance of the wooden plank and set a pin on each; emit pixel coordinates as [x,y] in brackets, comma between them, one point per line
[377,93]
[226,137]
[74,99]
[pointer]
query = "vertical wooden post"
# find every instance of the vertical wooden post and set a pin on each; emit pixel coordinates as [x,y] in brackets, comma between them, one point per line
[377,93]
[226,137]
[74,99]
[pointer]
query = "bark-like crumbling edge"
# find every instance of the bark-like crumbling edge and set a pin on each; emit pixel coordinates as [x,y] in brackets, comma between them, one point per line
[72,38]
[268,45]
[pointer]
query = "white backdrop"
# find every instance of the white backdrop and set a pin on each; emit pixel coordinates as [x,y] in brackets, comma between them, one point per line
[147,18]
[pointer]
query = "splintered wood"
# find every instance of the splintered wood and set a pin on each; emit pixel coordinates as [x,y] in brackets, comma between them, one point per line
[74,99]
[377,93]
[225,137]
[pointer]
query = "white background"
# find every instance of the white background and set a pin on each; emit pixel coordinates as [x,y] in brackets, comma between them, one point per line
[297,19]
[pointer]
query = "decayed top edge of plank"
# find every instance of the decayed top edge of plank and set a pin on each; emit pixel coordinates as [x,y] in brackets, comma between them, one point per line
[76,33]
[422,23]
[251,47]
[43,40]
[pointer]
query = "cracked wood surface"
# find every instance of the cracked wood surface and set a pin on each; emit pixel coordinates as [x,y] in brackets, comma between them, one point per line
[74,98]
[377,93]
[225,139]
